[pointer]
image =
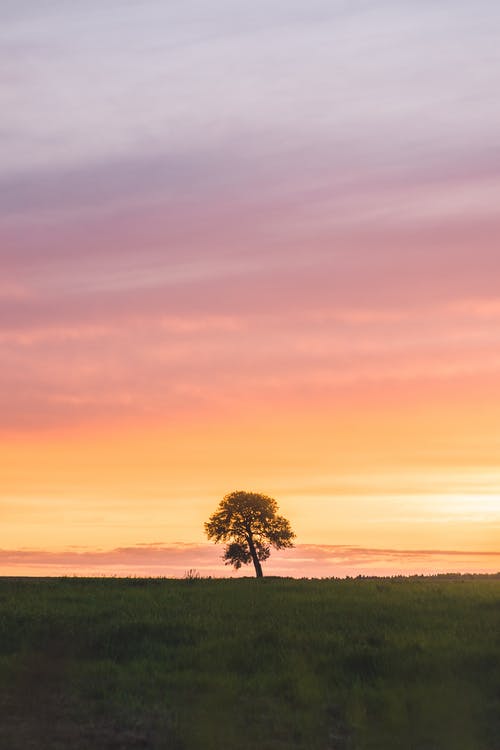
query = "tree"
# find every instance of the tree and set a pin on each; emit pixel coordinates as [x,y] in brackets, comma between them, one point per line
[248,521]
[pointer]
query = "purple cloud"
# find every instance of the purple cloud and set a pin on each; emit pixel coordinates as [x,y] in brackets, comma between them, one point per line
[305,560]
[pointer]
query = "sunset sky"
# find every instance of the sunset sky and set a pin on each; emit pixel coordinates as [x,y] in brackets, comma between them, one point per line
[249,245]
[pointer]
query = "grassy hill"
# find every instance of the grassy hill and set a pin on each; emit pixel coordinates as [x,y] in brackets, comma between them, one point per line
[403,664]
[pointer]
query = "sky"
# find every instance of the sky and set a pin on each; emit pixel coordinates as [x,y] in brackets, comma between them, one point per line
[249,246]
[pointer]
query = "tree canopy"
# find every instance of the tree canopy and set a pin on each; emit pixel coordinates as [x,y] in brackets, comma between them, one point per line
[250,523]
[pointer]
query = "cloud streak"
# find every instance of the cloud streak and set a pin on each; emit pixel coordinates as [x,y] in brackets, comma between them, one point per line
[305,560]
[183,78]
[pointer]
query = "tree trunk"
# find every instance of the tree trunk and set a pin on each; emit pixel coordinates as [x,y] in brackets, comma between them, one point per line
[256,561]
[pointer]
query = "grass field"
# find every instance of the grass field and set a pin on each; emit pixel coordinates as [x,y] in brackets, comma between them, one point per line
[409,664]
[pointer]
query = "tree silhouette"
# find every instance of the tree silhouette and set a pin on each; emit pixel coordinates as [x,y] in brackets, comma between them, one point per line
[248,521]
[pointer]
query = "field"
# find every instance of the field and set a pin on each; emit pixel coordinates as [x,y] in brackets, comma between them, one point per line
[403,664]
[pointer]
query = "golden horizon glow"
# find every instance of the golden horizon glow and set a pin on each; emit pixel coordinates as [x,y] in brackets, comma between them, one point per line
[359,482]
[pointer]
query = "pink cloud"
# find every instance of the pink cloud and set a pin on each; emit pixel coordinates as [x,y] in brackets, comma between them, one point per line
[104,368]
[305,560]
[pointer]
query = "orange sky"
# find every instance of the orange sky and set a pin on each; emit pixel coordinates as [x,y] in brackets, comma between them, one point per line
[375,479]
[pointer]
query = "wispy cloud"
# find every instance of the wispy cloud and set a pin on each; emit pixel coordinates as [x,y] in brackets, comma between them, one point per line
[177,77]
[306,560]
[132,358]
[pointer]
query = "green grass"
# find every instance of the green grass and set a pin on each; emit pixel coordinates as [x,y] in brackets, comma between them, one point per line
[406,664]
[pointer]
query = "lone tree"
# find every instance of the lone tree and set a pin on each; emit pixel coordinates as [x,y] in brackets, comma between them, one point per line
[248,521]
